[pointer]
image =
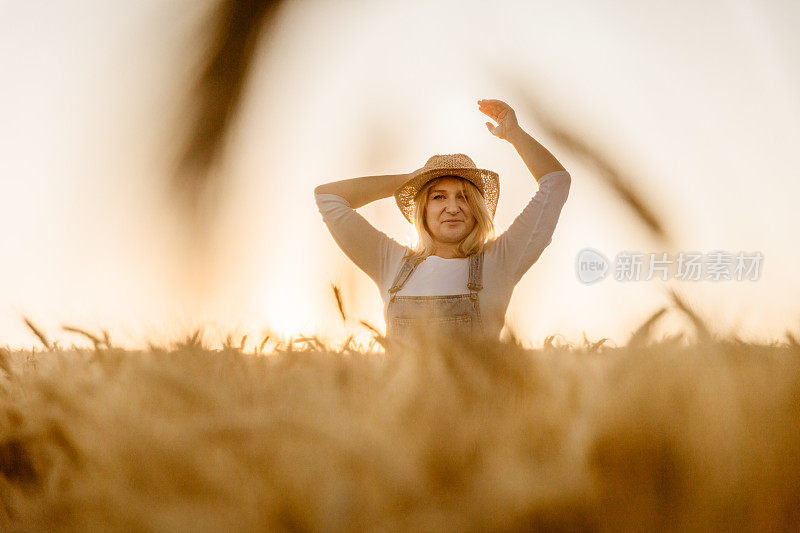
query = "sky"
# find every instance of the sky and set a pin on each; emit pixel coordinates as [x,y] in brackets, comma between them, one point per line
[697,103]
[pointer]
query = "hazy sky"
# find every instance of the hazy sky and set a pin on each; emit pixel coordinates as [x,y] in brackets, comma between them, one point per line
[698,102]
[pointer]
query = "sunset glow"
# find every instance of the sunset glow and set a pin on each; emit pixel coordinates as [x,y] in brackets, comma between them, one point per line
[344,90]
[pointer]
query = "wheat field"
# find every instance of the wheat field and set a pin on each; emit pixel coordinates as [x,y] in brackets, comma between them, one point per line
[689,432]
[669,434]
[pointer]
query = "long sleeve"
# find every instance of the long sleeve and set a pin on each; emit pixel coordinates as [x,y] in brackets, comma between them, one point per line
[520,246]
[371,250]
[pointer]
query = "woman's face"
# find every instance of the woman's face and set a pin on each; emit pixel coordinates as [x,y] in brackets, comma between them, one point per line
[448,214]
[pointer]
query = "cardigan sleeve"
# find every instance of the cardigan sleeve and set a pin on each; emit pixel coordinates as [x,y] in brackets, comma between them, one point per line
[371,250]
[520,246]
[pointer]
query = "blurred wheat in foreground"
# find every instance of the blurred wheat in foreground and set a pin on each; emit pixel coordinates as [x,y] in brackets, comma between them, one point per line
[666,435]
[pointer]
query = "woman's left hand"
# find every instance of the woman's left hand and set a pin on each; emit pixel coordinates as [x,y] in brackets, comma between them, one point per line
[501,113]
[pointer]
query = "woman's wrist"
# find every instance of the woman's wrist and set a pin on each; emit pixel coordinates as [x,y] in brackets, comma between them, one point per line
[516,134]
[404,178]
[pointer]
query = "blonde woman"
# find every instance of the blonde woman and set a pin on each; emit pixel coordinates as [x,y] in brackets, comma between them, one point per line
[459,278]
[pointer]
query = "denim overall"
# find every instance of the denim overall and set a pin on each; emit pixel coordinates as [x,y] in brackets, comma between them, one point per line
[417,318]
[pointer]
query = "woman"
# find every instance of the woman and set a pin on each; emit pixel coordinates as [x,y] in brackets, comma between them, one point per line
[458,279]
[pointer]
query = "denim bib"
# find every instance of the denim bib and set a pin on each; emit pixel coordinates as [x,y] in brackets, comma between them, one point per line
[423,318]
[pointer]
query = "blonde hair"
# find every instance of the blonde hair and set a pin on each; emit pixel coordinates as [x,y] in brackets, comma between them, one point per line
[473,243]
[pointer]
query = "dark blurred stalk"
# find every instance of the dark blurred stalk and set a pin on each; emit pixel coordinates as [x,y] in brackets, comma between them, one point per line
[230,39]
[607,169]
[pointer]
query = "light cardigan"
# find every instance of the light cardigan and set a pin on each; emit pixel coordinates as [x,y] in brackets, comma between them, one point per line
[506,258]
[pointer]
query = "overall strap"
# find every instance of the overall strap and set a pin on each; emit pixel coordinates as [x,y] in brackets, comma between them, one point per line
[400,279]
[475,282]
[475,272]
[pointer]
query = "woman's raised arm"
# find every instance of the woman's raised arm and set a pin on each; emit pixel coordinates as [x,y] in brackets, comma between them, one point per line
[370,249]
[520,246]
[536,157]
[361,191]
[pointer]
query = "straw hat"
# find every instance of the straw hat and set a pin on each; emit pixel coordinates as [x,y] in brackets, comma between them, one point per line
[448,165]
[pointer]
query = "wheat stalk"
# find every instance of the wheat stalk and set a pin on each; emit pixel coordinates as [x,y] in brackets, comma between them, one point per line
[337,293]
[702,329]
[96,340]
[607,169]
[263,343]
[642,333]
[39,334]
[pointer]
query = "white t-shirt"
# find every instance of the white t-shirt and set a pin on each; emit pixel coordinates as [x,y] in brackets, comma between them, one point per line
[437,276]
[506,258]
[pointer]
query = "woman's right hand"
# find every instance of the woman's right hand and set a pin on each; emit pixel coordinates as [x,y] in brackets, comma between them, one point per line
[503,114]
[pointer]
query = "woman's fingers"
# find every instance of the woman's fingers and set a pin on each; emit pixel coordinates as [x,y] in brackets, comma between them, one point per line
[497,103]
[491,116]
[488,113]
[492,103]
[489,110]
[494,108]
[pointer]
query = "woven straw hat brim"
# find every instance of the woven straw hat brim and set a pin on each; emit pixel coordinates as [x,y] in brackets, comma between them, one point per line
[486,181]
